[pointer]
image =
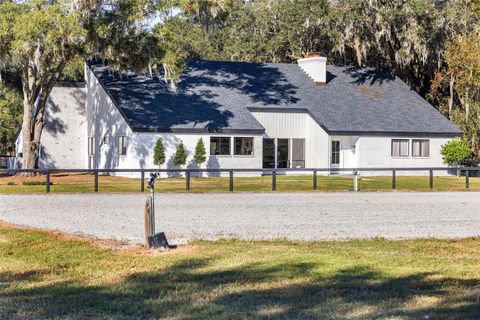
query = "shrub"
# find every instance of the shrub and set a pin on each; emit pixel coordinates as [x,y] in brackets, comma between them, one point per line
[159,153]
[180,157]
[456,152]
[11,183]
[200,153]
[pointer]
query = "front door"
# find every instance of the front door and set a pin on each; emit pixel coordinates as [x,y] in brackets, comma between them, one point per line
[282,154]
[269,153]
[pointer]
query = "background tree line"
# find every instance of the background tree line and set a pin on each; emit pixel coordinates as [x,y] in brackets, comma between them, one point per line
[433,45]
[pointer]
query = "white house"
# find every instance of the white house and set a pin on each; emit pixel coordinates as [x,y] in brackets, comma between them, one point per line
[250,115]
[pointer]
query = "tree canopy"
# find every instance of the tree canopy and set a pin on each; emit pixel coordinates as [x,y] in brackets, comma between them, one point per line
[425,43]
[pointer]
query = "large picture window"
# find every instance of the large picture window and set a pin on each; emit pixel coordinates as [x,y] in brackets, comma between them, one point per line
[91,146]
[400,148]
[244,146]
[122,145]
[420,148]
[220,146]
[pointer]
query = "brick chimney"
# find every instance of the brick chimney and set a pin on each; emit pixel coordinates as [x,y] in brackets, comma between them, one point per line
[315,66]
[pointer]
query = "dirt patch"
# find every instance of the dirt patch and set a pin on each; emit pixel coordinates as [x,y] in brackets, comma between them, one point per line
[120,247]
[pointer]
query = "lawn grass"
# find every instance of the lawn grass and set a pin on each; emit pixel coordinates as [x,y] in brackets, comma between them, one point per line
[84,183]
[45,275]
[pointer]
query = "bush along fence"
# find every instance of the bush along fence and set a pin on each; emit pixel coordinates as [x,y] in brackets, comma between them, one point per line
[466,172]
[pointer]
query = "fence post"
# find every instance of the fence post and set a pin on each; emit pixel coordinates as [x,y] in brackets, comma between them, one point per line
[142,183]
[355,181]
[430,181]
[467,179]
[148,220]
[314,179]
[394,180]
[231,180]
[187,181]
[96,182]
[274,180]
[47,182]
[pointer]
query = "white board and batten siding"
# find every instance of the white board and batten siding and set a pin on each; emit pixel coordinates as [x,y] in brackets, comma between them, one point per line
[298,125]
[104,120]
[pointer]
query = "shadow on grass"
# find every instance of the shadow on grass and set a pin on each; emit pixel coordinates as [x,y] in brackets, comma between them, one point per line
[196,288]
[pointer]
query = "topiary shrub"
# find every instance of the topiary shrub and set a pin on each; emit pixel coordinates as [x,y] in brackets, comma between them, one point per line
[180,157]
[200,155]
[159,153]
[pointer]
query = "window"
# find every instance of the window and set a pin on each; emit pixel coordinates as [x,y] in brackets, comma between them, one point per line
[335,152]
[122,145]
[219,145]
[420,148]
[244,146]
[91,146]
[400,148]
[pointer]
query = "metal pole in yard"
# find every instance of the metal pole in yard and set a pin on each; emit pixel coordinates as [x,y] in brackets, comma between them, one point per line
[96,182]
[151,186]
[355,181]
[152,196]
[47,183]
[274,180]
[314,179]
[467,179]
[187,180]
[142,183]
[231,180]
[431,179]
[394,180]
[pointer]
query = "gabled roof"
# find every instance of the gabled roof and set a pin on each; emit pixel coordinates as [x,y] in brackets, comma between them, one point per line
[217,96]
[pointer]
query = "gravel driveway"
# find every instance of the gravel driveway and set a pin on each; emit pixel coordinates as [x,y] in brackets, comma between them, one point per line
[296,216]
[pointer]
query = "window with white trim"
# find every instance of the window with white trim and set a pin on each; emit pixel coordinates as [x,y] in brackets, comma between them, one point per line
[400,148]
[122,145]
[220,146]
[91,146]
[420,148]
[335,158]
[244,146]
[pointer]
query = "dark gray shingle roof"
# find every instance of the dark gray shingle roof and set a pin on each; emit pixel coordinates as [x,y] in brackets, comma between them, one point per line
[216,96]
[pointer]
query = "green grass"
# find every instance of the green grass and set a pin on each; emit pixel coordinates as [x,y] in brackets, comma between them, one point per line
[84,183]
[43,275]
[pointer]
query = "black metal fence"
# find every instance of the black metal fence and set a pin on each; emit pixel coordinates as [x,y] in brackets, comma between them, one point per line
[354,172]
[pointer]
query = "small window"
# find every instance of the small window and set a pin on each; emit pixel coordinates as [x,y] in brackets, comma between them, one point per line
[400,148]
[122,145]
[335,152]
[91,146]
[244,146]
[420,148]
[220,146]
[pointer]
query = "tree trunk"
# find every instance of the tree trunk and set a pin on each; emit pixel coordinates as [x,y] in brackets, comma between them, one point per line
[450,100]
[35,95]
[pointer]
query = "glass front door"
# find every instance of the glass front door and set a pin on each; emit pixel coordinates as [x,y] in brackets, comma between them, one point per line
[268,153]
[282,154]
